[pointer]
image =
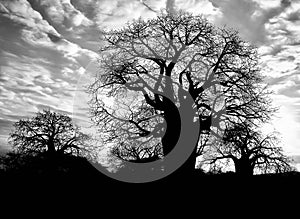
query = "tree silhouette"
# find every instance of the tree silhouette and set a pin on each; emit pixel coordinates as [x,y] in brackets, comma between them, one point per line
[249,150]
[47,132]
[150,67]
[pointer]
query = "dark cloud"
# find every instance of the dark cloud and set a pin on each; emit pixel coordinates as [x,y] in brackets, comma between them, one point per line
[22,13]
[276,50]
[70,20]
[294,43]
[294,16]
[87,7]
[270,13]
[285,3]
[37,6]
[288,58]
[54,38]
[59,13]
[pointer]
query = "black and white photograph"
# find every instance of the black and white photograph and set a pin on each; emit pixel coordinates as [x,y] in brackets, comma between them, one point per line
[142,92]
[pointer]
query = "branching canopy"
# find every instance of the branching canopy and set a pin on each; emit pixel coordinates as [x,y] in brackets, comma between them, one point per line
[249,150]
[48,131]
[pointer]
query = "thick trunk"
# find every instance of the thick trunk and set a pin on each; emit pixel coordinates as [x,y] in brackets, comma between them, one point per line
[189,165]
[51,147]
[190,135]
[190,131]
[243,168]
[181,131]
[173,127]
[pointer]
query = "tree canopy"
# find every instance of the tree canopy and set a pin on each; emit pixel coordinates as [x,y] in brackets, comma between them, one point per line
[50,132]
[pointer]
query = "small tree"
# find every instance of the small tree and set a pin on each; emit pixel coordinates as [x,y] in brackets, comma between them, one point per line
[249,150]
[50,132]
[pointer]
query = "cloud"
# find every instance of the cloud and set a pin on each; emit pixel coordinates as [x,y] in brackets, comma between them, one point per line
[61,12]
[170,6]
[38,32]
[115,14]
[249,16]
[87,7]
[69,50]
[293,16]
[74,51]
[204,7]
[290,87]
[21,12]
[286,117]
[27,83]
[41,107]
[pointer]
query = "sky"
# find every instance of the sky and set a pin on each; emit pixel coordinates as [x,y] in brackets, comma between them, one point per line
[48,52]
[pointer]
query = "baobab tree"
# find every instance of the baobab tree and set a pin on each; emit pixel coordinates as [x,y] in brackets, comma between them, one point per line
[152,70]
[47,132]
[249,150]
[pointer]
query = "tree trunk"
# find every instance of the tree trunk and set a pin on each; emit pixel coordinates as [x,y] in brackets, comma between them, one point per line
[51,147]
[181,131]
[173,127]
[243,167]
[189,130]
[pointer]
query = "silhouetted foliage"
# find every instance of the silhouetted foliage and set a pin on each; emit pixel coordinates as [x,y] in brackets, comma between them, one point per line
[148,68]
[41,165]
[47,132]
[249,150]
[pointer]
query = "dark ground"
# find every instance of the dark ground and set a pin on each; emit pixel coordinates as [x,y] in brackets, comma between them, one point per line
[76,173]
[73,185]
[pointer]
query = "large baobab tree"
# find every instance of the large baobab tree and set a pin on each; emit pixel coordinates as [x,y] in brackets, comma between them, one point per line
[153,70]
[249,150]
[47,132]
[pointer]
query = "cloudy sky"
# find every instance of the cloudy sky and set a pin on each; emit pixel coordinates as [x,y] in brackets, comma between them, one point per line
[48,48]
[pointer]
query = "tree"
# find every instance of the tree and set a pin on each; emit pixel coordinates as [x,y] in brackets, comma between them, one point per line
[49,132]
[149,68]
[249,150]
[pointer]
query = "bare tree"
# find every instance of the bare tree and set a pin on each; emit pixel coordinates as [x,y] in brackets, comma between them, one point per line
[50,132]
[150,67]
[249,150]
